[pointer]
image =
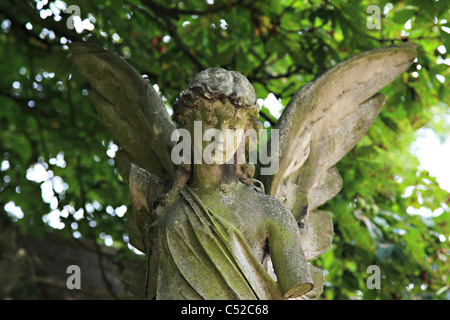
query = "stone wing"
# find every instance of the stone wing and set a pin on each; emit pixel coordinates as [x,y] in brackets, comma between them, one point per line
[322,122]
[136,117]
[131,109]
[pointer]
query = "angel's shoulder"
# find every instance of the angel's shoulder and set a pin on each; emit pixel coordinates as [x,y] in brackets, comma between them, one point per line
[271,208]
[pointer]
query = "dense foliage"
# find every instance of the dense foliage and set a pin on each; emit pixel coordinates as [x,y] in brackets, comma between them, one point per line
[57,159]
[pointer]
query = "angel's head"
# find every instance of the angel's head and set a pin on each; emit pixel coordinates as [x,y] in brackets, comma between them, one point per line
[221,100]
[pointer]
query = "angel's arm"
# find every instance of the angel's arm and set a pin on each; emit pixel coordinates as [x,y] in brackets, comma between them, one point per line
[287,254]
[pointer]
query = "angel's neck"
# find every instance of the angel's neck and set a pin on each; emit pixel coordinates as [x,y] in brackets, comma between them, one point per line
[212,177]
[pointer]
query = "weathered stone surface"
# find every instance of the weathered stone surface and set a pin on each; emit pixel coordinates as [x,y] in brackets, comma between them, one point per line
[145,189]
[318,234]
[214,234]
[318,280]
[218,83]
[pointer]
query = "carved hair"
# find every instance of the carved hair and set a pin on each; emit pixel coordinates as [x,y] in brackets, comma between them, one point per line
[216,84]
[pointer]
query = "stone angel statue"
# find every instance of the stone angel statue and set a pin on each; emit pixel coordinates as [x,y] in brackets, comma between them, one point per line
[209,229]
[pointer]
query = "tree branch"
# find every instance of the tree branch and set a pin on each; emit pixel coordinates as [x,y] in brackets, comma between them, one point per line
[176,12]
[268,116]
[170,27]
[47,23]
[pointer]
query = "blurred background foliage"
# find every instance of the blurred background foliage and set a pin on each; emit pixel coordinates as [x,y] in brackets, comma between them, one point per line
[58,172]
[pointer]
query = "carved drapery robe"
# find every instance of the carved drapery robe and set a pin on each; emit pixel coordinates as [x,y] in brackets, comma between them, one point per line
[203,256]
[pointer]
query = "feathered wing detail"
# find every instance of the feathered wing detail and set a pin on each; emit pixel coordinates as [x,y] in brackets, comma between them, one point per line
[136,117]
[129,106]
[322,122]
[316,239]
[325,120]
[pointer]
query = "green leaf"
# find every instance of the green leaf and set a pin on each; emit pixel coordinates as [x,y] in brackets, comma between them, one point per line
[404,15]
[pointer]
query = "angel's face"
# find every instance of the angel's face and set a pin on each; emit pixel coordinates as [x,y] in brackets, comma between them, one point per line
[221,127]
